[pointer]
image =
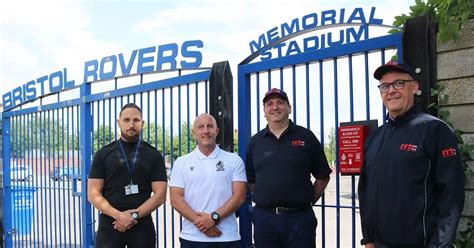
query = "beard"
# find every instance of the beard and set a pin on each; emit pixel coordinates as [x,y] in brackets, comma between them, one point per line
[130,138]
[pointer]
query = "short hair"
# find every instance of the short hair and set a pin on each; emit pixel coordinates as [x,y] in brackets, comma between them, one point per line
[130,105]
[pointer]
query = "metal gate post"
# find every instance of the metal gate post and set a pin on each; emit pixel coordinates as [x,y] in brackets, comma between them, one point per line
[221,103]
[244,138]
[85,139]
[419,50]
[7,190]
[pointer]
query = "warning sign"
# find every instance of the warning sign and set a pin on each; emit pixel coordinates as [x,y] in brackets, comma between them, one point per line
[351,148]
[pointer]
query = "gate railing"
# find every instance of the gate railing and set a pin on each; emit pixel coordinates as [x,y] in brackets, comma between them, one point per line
[46,202]
[325,87]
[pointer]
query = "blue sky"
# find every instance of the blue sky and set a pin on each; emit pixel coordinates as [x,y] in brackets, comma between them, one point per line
[41,37]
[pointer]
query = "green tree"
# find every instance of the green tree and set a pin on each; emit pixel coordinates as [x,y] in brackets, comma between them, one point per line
[330,146]
[186,139]
[102,136]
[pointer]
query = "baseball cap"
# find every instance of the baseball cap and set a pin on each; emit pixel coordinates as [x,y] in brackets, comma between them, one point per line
[394,66]
[281,94]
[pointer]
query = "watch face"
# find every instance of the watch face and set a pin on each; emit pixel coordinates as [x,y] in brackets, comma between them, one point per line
[215,216]
[135,216]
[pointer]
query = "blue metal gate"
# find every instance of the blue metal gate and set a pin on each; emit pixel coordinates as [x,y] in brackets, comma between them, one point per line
[325,87]
[48,146]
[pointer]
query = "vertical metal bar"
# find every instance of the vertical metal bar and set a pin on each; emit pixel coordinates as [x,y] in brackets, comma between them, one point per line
[188,114]
[367,90]
[206,97]
[281,78]
[293,68]
[68,149]
[163,132]
[110,120]
[384,110]
[321,118]
[171,156]
[353,194]
[269,79]
[43,182]
[36,133]
[85,134]
[338,192]
[51,224]
[156,145]
[197,99]
[257,100]
[308,109]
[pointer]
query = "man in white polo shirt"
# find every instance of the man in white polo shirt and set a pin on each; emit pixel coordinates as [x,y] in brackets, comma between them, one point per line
[207,186]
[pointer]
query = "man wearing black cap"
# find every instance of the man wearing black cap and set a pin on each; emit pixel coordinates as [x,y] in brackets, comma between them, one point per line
[411,188]
[280,161]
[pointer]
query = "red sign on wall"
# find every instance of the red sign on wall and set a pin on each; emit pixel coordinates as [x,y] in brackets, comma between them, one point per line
[351,148]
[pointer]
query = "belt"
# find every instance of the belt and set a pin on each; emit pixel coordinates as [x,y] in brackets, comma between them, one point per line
[284,210]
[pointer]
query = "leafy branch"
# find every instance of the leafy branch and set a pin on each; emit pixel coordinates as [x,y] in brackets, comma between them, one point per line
[451,15]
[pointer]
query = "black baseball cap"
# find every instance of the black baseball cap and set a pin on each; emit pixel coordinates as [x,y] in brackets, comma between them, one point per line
[394,66]
[280,93]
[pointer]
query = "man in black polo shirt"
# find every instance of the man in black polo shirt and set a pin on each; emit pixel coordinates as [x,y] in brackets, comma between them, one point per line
[280,161]
[121,179]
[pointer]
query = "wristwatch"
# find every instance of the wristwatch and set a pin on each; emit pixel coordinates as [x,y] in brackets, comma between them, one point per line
[135,215]
[215,217]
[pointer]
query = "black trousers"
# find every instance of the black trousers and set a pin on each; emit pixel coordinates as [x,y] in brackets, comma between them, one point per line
[142,235]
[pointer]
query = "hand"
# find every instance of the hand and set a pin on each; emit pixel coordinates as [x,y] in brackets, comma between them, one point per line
[203,222]
[213,232]
[125,220]
[119,227]
[370,245]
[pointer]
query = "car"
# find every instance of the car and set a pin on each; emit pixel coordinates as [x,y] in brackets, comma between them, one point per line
[64,173]
[21,173]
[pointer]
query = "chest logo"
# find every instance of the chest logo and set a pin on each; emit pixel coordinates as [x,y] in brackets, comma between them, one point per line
[408,147]
[220,166]
[297,143]
[450,152]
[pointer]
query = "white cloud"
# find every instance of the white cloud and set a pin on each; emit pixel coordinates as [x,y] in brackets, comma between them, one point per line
[40,37]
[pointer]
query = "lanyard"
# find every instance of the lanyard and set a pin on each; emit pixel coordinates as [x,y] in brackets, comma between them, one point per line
[130,168]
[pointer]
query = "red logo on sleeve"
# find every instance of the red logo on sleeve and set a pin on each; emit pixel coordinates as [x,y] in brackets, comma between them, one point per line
[450,152]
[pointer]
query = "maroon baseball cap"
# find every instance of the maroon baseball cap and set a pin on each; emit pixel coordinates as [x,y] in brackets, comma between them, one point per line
[391,66]
[280,93]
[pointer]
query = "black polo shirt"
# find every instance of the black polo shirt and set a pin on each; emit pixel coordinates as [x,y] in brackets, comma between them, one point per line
[281,168]
[109,164]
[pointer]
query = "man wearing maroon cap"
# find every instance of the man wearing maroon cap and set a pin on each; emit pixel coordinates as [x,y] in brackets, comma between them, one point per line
[280,161]
[411,187]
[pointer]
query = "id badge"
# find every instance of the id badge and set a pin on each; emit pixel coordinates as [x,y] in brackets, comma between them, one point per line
[131,189]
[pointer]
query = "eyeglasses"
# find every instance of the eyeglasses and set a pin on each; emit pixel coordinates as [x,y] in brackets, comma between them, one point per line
[397,84]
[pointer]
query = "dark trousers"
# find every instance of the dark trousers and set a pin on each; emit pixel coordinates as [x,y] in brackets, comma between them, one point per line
[142,235]
[194,244]
[295,230]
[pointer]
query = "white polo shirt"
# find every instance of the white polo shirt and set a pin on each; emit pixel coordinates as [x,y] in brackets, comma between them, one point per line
[207,184]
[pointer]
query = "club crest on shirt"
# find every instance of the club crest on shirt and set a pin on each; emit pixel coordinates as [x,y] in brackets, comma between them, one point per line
[220,166]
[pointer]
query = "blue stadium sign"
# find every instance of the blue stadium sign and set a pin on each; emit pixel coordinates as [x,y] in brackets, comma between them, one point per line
[149,59]
[271,44]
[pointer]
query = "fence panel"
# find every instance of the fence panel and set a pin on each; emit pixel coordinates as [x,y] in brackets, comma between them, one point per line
[325,87]
[48,148]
